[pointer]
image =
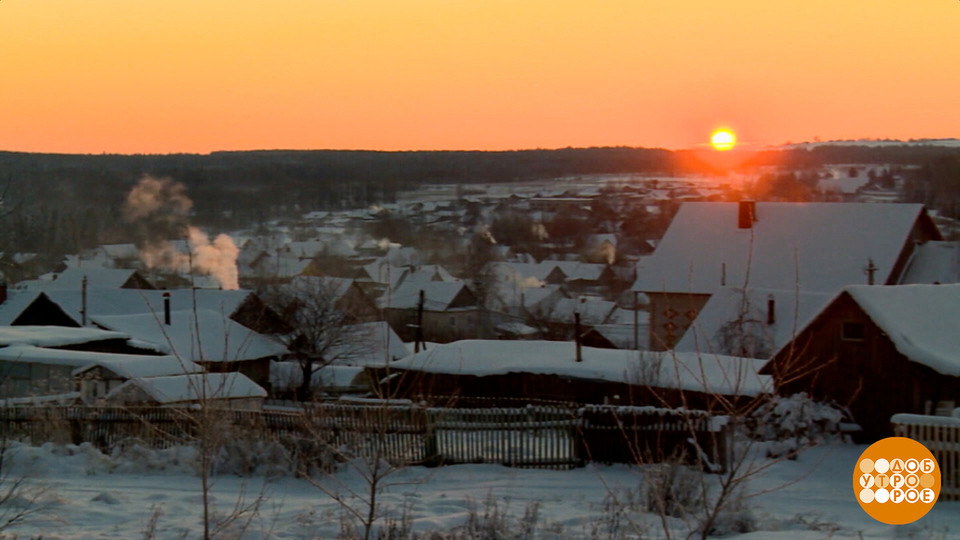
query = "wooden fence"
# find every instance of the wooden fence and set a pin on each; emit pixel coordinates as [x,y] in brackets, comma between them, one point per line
[532,436]
[941,435]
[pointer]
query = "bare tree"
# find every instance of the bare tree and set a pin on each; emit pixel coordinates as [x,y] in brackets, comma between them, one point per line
[320,314]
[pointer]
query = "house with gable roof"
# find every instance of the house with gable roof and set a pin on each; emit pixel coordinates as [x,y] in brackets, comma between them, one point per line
[74,278]
[71,308]
[811,247]
[204,337]
[878,351]
[450,310]
[39,360]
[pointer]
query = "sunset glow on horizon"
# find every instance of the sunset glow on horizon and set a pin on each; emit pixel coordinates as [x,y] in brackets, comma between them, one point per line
[723,139]
[200,76]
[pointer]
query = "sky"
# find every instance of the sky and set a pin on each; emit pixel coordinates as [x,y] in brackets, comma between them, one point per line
[119,76]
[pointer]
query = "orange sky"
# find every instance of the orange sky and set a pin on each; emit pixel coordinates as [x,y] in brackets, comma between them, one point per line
[202,75]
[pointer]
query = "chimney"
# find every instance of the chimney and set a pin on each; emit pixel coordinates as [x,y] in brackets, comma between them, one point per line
[3,291]
[747,214]
[576,335]
[771,310]
[166,308]
[83,302]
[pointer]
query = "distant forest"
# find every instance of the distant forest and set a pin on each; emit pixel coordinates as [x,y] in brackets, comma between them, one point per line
[60,203]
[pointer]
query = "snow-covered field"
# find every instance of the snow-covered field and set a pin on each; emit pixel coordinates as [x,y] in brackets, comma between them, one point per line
[96,496]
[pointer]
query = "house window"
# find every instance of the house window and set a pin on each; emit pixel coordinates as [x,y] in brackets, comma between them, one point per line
[453,321]
[853,331]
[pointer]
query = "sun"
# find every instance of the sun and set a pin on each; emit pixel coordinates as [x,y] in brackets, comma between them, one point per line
[723,139]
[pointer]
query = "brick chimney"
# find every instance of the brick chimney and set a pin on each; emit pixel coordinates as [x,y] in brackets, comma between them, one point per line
[747,214]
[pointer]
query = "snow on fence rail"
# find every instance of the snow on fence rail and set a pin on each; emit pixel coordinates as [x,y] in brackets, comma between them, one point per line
[531,436]
[941,435]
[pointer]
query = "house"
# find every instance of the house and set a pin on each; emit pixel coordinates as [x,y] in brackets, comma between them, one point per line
[813,247]
[346,295]
[77,278]
[560,322]
[228,390]
[38,361]
[202,336]
[538,370]
[450,311]
[752,322]
[330,380]
[587,278]
[103,373]
[70,307]
[879,351]
[934,263]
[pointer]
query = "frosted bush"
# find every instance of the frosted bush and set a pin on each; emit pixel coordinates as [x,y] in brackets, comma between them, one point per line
[795,422]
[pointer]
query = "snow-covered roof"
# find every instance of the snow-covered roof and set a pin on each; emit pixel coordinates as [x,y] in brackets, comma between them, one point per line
[194,387]
[197,336]
[427,272]
[709,373]
[369,344]
[54,336]
[816,246]
[438,295]
[332,287]
[109,301]
[933,262]
[922,321]
[281,266]
[112,278]
[381,271]
[120,251]
[539,271]
[593,310]
[132,366]
[730,304]
[578,270]
[288,375]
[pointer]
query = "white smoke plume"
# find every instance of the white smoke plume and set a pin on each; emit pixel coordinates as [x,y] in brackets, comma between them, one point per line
[484,232]
[607,252]
[385,244]
[157,198]
[217,258]
[158,210]
[540,232]
[529,283]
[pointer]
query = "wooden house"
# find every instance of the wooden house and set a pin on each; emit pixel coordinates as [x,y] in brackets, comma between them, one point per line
[227,390]
[38,361]
[813,247]
[204,337]
[549,370]
[878,351]
[71,308]
[450,311]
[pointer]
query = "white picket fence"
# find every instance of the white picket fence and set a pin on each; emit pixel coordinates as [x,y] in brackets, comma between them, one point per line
[941,435]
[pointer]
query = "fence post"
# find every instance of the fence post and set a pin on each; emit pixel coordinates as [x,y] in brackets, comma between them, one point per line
[431,450]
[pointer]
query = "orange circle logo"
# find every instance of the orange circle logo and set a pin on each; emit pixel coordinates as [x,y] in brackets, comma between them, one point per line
[896,480]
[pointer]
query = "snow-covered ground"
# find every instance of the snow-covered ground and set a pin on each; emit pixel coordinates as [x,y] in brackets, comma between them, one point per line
[95,496]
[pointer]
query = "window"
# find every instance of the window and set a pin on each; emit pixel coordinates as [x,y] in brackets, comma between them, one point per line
[852,331]
[453,321]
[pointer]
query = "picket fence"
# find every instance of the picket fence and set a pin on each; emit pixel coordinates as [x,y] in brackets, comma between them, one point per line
[555,437]
[941,435]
